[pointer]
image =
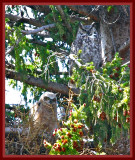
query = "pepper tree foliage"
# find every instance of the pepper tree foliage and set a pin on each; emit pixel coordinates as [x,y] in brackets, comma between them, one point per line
[106,93]
[28,57]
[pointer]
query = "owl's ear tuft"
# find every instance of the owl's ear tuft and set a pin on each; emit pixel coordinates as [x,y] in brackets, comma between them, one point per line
[58,94]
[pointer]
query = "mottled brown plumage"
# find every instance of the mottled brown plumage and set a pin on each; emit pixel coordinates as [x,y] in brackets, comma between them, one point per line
[44,113]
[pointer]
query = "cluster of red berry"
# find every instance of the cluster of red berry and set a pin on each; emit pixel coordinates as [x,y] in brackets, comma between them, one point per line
[58,147]
[116,74]
[78,145]
[127,114]
[103,116]
[36,55]
[96,98]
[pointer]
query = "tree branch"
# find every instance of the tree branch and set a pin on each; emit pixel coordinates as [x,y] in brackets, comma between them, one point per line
[38,42]
[39,29]
[24,20]
[74,18]
[63,16]
[12,47]
[51,86]
[40,8]
[83,10]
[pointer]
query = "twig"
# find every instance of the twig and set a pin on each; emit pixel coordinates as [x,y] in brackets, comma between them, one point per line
[63,16]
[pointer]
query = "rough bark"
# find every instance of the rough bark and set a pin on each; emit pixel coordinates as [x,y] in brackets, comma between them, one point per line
[115,34]
[51,86]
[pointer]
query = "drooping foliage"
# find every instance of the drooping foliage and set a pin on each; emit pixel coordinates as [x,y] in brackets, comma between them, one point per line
[105,92]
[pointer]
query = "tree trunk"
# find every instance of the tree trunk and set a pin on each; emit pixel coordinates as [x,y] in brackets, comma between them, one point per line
[115,32]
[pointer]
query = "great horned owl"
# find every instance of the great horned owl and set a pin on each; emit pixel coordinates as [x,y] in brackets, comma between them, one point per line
[88,41]
[44,112]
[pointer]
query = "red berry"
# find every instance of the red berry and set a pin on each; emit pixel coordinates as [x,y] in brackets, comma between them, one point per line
[111,76]
[44,141]
[72,81]
[128,119]
[124,112]
[80,127]
[100,94]
[55,144]
[91,70]
[62,137]
[35,54]
[69,135]
[84,104]
[120,89]
[75,129]
[115,118]
[46,145]
[59,148]
[75,120]
[63,149]
[65,141]
[117,68]
[95,98]
[119,125]
[116,74]
[128,112]
[75,144]
[81,133]
[103,116]
[72,125]
[55,130]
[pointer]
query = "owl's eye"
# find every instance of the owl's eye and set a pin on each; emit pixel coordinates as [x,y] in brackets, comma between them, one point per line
[46,98]
[54,100]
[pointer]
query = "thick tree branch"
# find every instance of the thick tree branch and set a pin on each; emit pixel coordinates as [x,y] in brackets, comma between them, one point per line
[45,35]
[74,18]
[38,42]
[24,20]
[51,86]
[39,29]
[12,17]
[84,10]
